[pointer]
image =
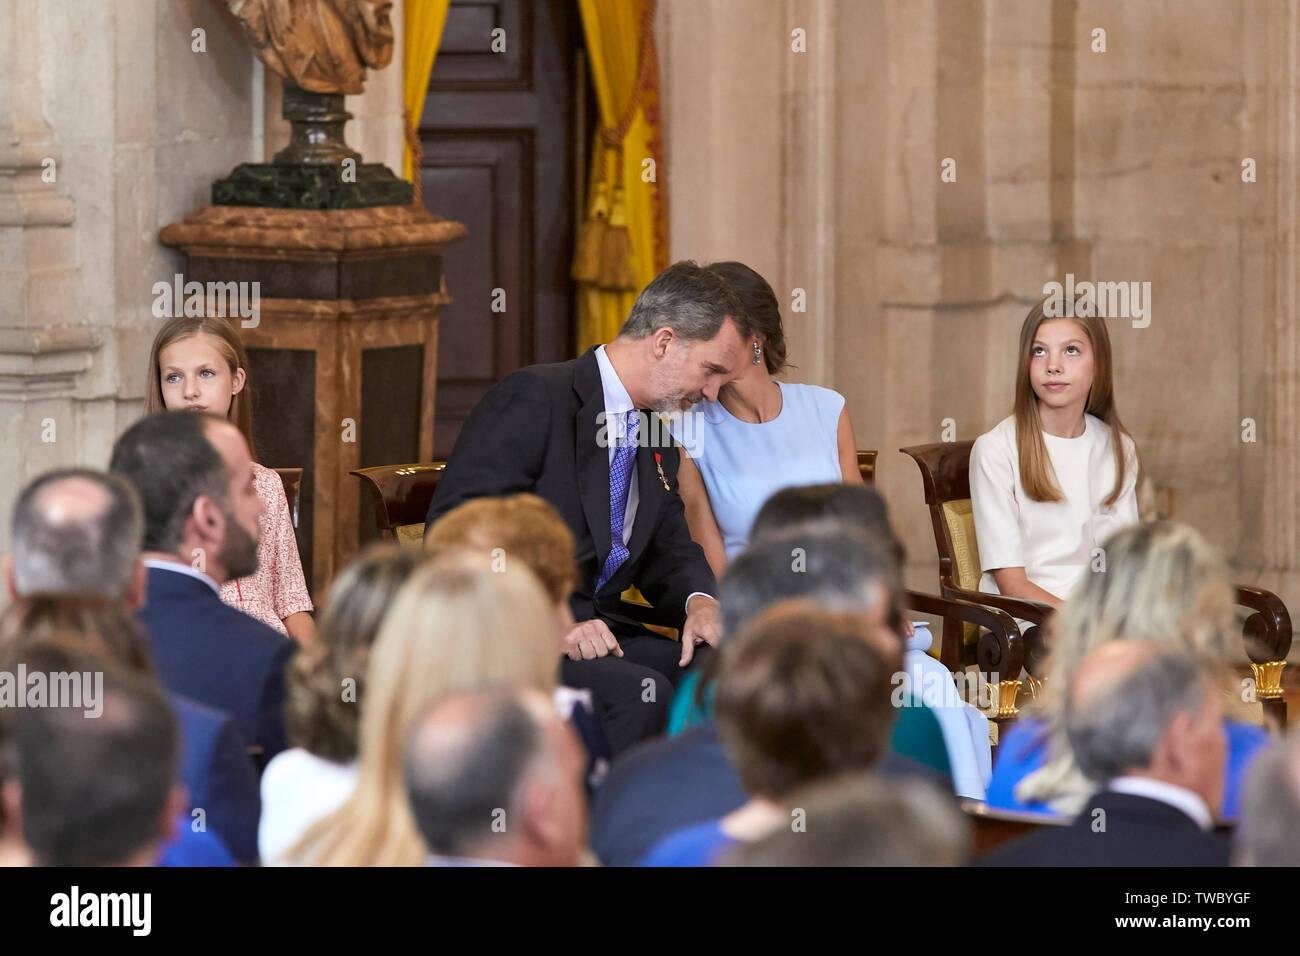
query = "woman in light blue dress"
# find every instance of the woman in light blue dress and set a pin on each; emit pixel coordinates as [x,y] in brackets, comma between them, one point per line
[759,436]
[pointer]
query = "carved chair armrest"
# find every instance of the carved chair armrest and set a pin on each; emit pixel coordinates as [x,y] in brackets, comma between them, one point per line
[1267,632]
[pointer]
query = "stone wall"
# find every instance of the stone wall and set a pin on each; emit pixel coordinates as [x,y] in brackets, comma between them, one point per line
[822,170]
[137,124]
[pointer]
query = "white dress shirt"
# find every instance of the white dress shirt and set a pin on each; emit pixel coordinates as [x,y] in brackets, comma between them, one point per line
[181,567]
[617,404]
[1180,798]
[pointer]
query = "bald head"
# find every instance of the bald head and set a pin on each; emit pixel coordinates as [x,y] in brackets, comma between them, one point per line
[497,775]
[1147,709]
[75,530]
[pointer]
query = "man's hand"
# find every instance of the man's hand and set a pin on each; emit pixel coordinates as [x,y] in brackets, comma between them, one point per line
[589,640]
[701,627]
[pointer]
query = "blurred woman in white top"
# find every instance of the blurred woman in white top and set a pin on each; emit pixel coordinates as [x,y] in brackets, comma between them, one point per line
[1051,482]
[760,436]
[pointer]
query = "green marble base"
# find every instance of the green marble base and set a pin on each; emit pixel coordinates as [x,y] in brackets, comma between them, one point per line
[298,186]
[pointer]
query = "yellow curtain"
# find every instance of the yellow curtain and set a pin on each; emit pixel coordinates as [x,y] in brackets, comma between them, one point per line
[422,24]
[623,242]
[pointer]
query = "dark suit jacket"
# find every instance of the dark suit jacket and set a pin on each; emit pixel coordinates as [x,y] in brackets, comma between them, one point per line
[219,776]
[666,784]
[1138,831]
[536,431]
[217,655]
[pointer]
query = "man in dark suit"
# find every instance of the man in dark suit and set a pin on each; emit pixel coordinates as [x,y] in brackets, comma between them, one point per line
[586,436]
[79,531]
[1147,722]
[195,478]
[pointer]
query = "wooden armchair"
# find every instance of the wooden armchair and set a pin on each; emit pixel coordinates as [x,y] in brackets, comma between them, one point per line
[401,495]
[291,478]
[945,472]
[1000,639]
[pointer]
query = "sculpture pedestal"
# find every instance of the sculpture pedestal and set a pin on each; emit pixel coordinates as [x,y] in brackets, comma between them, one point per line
[344,348]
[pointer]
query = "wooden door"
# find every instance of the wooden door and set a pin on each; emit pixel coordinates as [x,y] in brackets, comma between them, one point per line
[501,137]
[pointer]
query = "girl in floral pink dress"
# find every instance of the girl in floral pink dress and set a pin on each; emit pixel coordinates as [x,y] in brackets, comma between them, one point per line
[199,363]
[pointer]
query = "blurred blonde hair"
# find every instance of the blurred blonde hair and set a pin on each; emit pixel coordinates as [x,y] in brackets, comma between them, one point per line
[452,628]
[1162,582]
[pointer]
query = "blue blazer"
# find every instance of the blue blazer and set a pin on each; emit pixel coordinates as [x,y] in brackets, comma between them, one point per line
[219,776]
[217,655]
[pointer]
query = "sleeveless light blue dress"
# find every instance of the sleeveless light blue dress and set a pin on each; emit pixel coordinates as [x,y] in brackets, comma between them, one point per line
[745,463]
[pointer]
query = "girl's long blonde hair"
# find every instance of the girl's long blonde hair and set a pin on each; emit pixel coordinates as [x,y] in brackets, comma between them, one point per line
[1162,582]
[452,628]
[231,349]
[1035,465]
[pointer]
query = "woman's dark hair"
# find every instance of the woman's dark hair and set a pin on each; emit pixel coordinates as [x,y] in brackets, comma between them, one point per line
[759,303]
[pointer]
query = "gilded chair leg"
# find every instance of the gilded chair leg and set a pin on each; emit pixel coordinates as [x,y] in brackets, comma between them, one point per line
[1268,679]
[1003,695]
[1035,685]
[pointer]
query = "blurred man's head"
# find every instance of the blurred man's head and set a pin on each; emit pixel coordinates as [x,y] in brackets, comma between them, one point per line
[194,476]
[77,530]
[864,820]
[496,775]
[1149,710]
[93,790]
[836,571]
[1269,831]
[804,694]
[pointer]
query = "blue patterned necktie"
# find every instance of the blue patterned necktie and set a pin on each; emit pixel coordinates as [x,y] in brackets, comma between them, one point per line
[620,482]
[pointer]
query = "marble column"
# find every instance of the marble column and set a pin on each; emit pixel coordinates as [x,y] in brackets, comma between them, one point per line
[45,347]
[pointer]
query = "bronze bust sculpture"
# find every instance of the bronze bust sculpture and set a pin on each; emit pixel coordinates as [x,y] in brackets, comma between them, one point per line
[320,49]
[322,46]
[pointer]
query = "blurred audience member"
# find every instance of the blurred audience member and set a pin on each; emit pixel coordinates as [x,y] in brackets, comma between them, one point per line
[527,529]
[93,791]
[862,820]
[195,479]
[77,530]
[667,784]
[326,684]
[451,629]
[1145,722]
[803,694]
[77,533]
[938,728]
[496,778]
[1160,582]
[1269,832]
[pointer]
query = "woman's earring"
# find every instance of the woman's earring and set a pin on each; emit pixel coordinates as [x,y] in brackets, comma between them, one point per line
[758,354]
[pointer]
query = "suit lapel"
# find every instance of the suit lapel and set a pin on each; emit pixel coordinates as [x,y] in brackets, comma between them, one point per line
[592,460]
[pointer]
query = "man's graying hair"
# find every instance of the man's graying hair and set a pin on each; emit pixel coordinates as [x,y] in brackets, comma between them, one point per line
[1119,730]
[687,298]
[94,553]
[840,572]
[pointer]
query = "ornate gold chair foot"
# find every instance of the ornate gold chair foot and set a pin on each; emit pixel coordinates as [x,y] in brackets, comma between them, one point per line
[1268,679]
[1003,695]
